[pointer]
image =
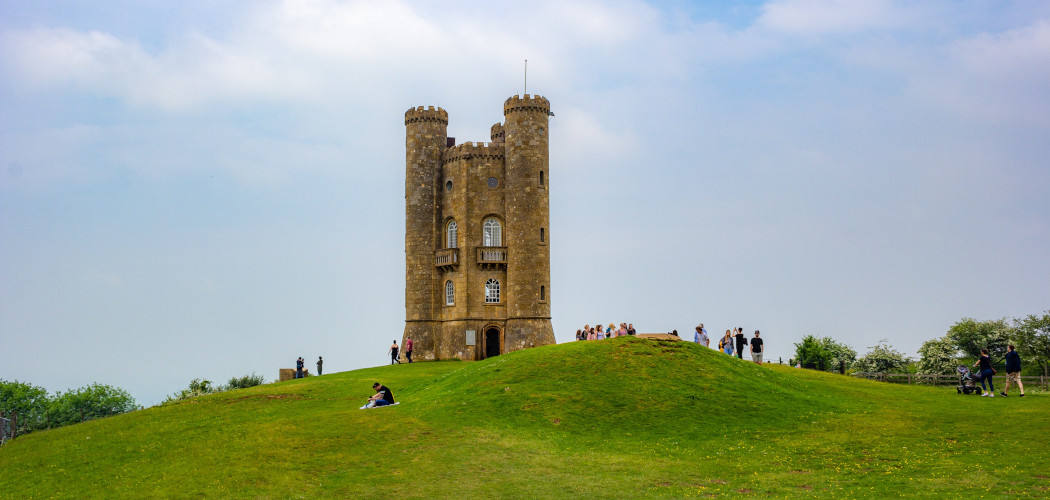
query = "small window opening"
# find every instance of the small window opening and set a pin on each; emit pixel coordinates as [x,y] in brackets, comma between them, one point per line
[543,293]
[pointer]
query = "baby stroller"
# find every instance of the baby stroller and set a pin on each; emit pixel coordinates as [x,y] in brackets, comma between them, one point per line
[968,381]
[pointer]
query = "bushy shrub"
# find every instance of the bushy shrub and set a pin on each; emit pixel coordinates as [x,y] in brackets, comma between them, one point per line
[86,403]
[882,358]
[244,382]
[938,357]
[823,353]
[197,387]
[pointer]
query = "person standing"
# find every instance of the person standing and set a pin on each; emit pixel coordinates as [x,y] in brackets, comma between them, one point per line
[299,367]
[1013,370]
[393,353]
[319,363]
[741,341]
[756,349]
[701,336]
[727,343]
[408,349]
[630,329]
[986,373]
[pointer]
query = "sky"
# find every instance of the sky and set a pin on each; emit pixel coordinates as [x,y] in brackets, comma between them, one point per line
[203,189]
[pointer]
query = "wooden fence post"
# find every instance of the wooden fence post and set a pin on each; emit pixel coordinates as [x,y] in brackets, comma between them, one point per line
[14,424]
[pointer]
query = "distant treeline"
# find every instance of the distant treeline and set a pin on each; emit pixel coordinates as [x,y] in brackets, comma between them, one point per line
[961,344]
[33,408]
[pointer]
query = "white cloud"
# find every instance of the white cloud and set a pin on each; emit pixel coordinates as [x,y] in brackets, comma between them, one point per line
[819,17]
[993,76]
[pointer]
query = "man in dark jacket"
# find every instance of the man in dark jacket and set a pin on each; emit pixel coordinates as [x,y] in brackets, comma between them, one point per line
[1013,370]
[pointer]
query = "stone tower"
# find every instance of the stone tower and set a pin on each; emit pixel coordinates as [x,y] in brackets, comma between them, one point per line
[477,261]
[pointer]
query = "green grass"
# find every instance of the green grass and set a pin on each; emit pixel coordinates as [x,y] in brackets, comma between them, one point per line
[611,419]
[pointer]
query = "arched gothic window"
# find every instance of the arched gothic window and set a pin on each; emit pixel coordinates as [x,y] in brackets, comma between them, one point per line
[492,292]
[450,293]
[451,234]
[493,236]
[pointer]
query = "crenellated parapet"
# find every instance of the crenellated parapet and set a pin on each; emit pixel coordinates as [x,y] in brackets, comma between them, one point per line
[469,150]
[527,103]
[426,114]
[497,134]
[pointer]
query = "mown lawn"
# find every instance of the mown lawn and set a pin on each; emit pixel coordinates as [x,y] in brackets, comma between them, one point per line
[611,419]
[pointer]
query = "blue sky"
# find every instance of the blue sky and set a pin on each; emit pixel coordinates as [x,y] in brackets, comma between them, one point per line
[207,189]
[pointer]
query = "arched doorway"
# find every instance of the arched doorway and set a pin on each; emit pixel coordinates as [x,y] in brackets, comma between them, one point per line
[492,342]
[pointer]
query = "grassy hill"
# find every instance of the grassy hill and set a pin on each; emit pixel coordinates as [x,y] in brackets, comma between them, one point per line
[610,419]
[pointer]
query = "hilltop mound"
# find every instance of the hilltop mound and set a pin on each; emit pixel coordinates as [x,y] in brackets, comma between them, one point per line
[650,383]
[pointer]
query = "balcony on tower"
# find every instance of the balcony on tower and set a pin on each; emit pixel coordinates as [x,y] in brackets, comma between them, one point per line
[446,259]
[492,256]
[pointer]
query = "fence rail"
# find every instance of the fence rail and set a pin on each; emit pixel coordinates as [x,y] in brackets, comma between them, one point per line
[1035,381]
[6,430]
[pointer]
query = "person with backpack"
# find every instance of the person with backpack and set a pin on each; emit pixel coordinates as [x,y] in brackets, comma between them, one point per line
[726,344]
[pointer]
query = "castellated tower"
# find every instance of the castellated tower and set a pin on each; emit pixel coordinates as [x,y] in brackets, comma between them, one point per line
[477,261]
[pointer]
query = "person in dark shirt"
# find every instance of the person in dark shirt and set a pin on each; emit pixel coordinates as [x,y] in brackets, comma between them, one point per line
[741,341]
[299,367]
[756,349]
[382,397]
[319,363]
[986,373]
[1013,370]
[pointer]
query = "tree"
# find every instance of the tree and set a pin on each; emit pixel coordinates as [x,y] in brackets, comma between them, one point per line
[812,354]
[29,401]
[938,356]
[881,358]
[970,336]
[838,352]
[1032,339]
[86,403]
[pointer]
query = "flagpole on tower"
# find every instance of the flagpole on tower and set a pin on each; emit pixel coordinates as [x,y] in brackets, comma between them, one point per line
[526,77]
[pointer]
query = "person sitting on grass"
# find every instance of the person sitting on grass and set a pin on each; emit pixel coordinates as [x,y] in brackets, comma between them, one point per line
[382,397]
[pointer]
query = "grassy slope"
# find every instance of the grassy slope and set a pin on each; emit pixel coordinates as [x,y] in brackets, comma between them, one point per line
[607,419]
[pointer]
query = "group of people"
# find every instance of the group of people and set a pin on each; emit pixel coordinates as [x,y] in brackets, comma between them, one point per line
[1013,372]
[394,351]
[299,363]
[598,332]
[733,341]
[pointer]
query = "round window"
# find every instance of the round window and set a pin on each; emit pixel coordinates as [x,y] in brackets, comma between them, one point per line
[493,182]
[448,185]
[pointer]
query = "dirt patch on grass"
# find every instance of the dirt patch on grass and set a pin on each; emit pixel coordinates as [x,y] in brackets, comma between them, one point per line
[267,396]
[805,487]
[745,491]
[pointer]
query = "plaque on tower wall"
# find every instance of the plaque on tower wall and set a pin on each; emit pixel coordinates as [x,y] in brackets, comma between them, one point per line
[470,338]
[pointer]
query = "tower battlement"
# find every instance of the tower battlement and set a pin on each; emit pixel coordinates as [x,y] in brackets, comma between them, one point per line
[496,133]
[469,150]
[426,113]
[526,103]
